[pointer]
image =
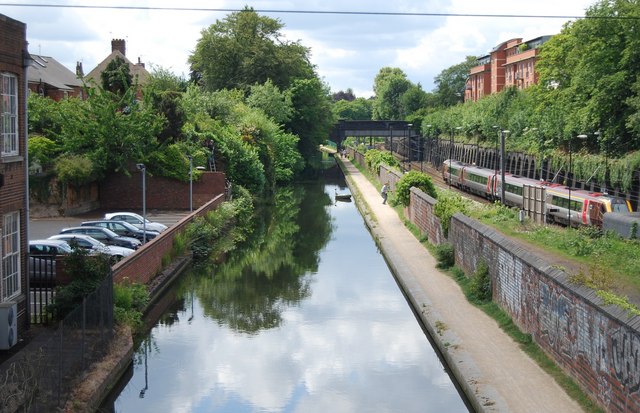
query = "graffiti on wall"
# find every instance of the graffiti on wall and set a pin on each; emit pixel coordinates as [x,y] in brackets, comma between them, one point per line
[625,357]
[510,286]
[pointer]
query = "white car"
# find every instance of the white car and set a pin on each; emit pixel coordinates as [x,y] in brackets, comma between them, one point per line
[94,246]
[135,220]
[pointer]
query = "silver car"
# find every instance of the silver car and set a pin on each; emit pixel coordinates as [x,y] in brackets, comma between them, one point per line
[94,246]
[136,220]
[43,255]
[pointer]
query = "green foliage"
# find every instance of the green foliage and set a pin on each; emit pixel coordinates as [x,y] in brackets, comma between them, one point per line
[273,102]
[86,273]
[389,86]
[74,169]
[42,151]
[374,158]
[450,83]
[116,77]
[244,49]
[358,109]
[445,255]
[312,118]
[448,204]
[413,179]
[480,286]
[172,161]
[163,91]
[129,302]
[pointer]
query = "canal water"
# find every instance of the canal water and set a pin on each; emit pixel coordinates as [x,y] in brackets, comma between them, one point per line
[305,317]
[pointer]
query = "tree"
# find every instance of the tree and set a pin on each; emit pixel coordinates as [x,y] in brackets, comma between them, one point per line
[389,86]
[347,95]
[244,49]
[163,91]
[358,109]
[450,83]
[312,117]
[116,78]
[274,103]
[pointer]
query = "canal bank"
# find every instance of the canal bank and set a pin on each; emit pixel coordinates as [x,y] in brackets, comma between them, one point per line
[490,367]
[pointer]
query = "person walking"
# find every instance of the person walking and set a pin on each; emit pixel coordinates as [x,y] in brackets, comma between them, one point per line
[384,192]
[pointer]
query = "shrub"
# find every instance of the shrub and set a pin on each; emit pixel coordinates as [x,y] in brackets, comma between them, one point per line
[129,303]
[447,206]
[411,179]
[480,287]
[374,158]
[445,255]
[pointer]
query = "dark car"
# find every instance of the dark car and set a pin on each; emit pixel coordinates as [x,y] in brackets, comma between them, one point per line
[122,228]
[43,254]
[105,236]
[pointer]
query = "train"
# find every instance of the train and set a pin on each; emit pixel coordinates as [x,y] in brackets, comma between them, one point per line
[561,204]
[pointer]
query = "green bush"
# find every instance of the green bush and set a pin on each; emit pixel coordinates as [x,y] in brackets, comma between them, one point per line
[445,255]
[411,179]
[374,158]
[448,204]
[130,301]
[480,287]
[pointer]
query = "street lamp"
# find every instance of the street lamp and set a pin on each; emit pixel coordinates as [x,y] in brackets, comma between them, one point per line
[601,140]
[391,137]
[143,169]
[569,178]
[421,146]
[502,185]
[190,183]
[451,152]
[407,146]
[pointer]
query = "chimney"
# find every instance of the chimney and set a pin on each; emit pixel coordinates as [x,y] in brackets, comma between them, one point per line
[140,62]
[79,71]
[119,44]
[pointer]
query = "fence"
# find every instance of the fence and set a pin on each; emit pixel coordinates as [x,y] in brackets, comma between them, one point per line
[41,377]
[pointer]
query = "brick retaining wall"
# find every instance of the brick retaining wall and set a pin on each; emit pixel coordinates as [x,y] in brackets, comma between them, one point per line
[597,345]
[146,263]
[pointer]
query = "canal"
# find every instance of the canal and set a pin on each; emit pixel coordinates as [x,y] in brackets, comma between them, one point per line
[305,317]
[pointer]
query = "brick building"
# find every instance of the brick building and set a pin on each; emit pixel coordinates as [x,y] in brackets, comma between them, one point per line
[14,60]
[509,64]
[48,77]
[119,49]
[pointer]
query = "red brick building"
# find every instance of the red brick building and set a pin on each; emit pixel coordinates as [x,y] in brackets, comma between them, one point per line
[119,49]
[511,63]
[14,216]
[49,78]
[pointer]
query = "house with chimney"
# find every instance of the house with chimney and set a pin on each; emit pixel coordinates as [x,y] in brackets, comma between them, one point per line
[49,78]
[14,211]
[138,71]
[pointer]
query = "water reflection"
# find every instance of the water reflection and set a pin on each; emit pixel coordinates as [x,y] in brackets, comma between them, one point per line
[307,318]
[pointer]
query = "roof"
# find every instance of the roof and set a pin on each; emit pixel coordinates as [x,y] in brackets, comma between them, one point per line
[136,70]
[46,69]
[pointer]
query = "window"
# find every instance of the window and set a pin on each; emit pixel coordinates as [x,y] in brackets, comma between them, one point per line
[9,114]
[11,255]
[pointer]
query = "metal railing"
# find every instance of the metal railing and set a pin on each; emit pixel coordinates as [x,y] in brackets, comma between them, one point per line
[41,376]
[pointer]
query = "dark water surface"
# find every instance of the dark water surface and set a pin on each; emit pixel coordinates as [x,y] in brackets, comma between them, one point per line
[305,318]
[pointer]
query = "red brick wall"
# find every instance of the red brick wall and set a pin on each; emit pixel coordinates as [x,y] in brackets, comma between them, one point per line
[146,263]
[420,213]
[12,192]
[598,346]
[123,192]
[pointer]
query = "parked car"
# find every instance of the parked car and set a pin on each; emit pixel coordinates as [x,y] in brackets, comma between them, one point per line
[42,260]
[105,236]
[135,220]
[93,246]
[122,228]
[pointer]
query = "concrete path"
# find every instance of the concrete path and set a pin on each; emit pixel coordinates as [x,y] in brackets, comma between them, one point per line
[495,374]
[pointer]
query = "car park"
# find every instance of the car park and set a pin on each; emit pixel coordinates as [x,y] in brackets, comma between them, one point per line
[43,255]
[136,220]
[105,236]
[123,228]
[93,246]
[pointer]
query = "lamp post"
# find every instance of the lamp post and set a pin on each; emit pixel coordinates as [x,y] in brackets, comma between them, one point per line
[143,169]
[422,149]
[407,146]
[570,178]
[190,183]
[604,148]
[391,137]
[451,152]
[502,185]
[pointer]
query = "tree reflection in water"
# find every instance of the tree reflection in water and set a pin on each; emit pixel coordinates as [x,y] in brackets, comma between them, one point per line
[273,269]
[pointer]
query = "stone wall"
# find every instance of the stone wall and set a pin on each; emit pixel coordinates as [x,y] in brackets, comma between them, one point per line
[599,346]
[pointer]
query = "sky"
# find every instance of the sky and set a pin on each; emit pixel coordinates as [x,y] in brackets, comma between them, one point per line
[348,50]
